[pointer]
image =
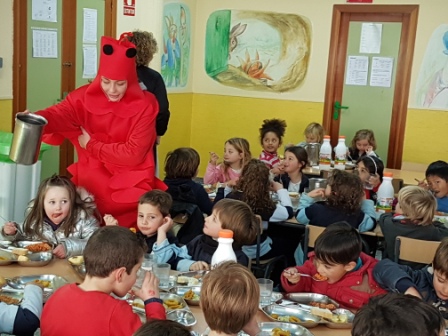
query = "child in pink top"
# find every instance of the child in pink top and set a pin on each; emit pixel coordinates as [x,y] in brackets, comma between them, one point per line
[271,138]
[236,155]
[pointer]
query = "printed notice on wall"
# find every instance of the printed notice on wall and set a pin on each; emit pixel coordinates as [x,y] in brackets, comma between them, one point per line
[90,25]
[381,74]
[45,43]
[370,38]
[357,70]
[89,61]
[44,10]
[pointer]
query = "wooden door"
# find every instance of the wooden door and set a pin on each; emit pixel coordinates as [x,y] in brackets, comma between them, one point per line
[346,18]
[41,82]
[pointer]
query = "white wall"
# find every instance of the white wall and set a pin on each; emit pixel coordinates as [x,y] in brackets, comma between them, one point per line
[6,48]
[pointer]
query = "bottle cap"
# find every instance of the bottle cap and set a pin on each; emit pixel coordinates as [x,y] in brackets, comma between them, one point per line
[342,137]
[226,234]
[326,137]
[388,174]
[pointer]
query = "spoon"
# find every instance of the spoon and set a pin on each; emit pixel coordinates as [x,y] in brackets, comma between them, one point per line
[307,276]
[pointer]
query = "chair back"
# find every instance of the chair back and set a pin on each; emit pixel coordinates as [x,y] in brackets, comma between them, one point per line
[311,234]
[415,250]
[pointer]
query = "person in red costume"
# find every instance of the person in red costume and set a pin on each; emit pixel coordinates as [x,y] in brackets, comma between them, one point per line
[111,123]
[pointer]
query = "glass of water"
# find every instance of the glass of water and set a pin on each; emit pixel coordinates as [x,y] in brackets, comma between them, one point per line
[162,271]
[148,262]
[266,286]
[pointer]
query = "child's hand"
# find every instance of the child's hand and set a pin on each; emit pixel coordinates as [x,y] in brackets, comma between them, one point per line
[84,138]
[414,292]
[167,225]
[10,228]
[59,251]
[292,275]
[150,287]
[319,192]
[276,186]
[231,183]
[278,169]
[214,158]
[369,150]
[422,184]
[374,180]
[110,220]
[199,266]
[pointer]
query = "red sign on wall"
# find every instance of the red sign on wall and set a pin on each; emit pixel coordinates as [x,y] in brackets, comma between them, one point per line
[360,1]
[129,7]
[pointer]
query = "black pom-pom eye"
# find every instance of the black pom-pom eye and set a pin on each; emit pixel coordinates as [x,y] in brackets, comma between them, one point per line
[108,49]
[131,52]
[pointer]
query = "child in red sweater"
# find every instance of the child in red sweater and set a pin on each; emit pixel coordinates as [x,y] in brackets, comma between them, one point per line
[112,256]
[338,259]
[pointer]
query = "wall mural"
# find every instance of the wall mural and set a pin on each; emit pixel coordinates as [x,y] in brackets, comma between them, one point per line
[432,83]
[260,51]
[176,44]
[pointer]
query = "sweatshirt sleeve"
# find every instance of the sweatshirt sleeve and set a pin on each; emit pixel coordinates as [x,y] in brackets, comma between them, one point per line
[369,221]
[283,211]
[304,285]
[304,203]
[213,174]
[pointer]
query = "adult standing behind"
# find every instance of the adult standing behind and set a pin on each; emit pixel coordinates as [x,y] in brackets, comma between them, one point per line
[150,79]
[111,123]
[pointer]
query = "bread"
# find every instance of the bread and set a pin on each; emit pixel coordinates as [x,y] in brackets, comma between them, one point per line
[22,258]
[325,313]
[2,281]
[20,251]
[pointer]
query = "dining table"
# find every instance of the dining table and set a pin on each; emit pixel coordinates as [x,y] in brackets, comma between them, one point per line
[62,267]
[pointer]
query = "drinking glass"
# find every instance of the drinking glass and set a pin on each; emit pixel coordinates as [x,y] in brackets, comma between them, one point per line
[148,262]
[266,286]
[140,277]
[295,198]
[162,271]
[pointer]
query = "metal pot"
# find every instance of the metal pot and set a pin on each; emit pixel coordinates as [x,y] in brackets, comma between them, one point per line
[312,149]
[27,138]
[316,183]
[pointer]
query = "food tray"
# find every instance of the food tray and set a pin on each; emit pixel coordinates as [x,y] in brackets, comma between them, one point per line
[306,298]
[80,269]
[5,244]
[181,290]
[18,296]
[138,305]
[194,278]
[7,258]
[19,282]
[307,319]
[182,316]
[38,259]
[294,329]
[26,243]
[339,325]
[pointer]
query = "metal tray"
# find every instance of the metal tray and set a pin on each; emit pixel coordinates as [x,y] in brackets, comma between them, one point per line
[339,325]
[80,269]
[181,290]
[171,296]
[14,295]
[308,320]
[38,259]
[5,244]
[294,329]
[26,243]
[194,277]
[182,316]
[19,282]
[306,298]
[7,258]
[138,305]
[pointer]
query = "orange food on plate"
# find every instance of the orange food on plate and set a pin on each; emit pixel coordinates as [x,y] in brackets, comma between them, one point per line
[39,247]
[319,276]
[329,306]
[9,300]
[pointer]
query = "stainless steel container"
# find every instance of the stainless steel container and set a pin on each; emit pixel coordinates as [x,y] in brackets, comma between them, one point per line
[27,138]
[316,183]
[312,149]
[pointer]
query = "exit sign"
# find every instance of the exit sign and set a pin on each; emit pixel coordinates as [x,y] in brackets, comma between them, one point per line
[360,1]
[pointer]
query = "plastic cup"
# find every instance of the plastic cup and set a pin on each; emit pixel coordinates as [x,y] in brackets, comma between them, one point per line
[148,262]
[295,198]
[266,286]
[140,277]
[162,271]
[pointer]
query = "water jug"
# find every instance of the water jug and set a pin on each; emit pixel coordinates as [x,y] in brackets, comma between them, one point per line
[27,138]
[316,183]
[312,149]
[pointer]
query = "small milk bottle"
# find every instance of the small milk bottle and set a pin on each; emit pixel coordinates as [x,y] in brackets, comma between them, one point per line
[224,252]
[385,194]
[325,154]
[340,154]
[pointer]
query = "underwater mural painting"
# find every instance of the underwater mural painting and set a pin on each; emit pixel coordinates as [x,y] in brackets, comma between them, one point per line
[176,45]
[432,83]
[254,50]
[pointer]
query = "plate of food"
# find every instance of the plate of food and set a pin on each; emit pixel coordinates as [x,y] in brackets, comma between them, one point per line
[283,329]
[49,282]
[38,259]
[34,246]
[7,258]
[11,298]
[193,278]
[170,302]
[78,265]
[313,300]
[190,294]
[341,319]
[291,314]
[182,316]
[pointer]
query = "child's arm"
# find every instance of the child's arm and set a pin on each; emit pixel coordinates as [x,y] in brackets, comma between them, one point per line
[214,172]
[12,231]
[149,293]
[74,246]
[163,229]
[165,252]
[369,221]
[204,202]
[306,200]
[293,282]
[283,211]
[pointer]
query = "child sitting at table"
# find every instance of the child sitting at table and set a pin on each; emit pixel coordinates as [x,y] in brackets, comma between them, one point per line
[60,214]
[437,182]
[271,138]
[229,299]
[343,272]
[236,155]
[429,283]
[370,170]
[181,166]
[197,255]
[363,143]
[162,328]
[398,315]
[314,133]
[153,213]
[413,218]
[112,257]
[22,319]
[296,159]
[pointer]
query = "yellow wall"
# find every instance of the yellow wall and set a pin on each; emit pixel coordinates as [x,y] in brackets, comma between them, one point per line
[5,115]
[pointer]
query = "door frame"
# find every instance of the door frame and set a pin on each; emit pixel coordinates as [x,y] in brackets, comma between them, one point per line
[342,15]
[68,57]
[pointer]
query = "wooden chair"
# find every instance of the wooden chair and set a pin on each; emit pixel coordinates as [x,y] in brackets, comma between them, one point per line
[415,250]
[311,234]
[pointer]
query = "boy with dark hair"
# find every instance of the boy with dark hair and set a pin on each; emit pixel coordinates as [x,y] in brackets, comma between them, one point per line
[437,181]
[153,213]
[112,257]
[162,328]
[338,261]
[398,315]
[429,283]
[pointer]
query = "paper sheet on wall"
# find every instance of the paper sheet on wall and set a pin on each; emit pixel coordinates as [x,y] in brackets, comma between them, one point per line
[90,24]
[45,43]
[381,73]
[89,61]
[370,38]
[357,70]
[44,10]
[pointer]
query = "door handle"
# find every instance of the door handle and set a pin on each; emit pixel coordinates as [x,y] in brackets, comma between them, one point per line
[337,109]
